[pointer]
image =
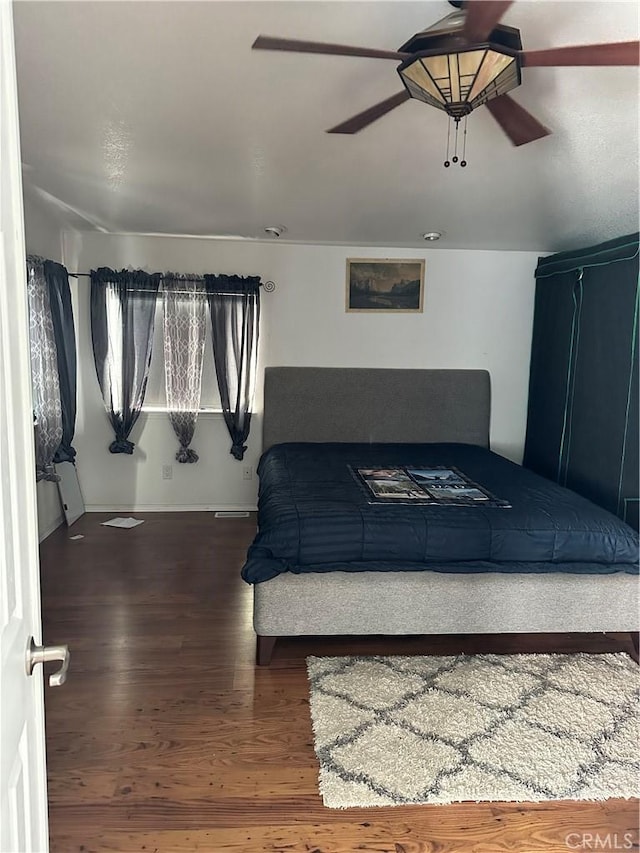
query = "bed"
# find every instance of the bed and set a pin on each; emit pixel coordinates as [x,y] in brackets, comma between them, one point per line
[329,560]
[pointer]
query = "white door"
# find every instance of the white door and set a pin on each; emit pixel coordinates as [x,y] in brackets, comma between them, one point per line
[23,779]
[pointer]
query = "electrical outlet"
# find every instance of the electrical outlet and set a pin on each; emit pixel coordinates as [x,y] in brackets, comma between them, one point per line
[167,472]
[247,472]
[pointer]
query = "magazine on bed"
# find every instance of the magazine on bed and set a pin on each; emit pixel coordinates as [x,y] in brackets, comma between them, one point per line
[441,486]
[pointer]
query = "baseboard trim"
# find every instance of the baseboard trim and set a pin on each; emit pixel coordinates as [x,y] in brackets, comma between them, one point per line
[50,528]
[170,508]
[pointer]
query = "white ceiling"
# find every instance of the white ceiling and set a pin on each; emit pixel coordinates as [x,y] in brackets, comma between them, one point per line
[157,117]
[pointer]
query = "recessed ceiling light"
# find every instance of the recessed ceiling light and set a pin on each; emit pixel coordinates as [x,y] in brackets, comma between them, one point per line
[432,235]
[275,230]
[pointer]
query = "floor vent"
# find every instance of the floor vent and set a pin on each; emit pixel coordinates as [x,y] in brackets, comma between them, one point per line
[231,514]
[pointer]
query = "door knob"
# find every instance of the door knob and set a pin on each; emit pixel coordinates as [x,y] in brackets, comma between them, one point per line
[40,654]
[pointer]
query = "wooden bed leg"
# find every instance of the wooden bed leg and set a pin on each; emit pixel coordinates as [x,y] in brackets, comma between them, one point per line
[635,639]
[264,650]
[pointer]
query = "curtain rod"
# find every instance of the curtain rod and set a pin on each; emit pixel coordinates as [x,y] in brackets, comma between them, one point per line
[269,286]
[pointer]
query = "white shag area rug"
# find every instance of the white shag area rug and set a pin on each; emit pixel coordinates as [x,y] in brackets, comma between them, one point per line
[523,728]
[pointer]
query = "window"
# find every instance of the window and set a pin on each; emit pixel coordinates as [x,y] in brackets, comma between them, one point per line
[155,398]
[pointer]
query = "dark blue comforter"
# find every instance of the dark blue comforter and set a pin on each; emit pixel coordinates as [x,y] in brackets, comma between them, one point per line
[313,516]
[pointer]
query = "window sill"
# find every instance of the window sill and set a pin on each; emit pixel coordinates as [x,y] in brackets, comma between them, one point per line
[161,412]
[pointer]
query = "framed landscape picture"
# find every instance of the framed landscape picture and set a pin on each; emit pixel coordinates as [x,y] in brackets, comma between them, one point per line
[384,284]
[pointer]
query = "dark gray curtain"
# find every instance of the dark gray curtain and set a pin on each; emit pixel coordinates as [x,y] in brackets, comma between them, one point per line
[234,304]
[57,280]
[123,308]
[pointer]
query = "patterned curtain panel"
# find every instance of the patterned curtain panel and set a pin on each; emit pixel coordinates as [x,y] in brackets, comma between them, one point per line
[184,329]
[57,279]
[123,308]
[234,304]
[47,410]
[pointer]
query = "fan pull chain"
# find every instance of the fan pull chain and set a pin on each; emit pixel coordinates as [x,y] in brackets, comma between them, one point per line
[447,162]
[454,159]
[463,162]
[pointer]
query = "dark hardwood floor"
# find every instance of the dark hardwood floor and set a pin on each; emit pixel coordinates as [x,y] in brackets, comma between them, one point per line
[167,738]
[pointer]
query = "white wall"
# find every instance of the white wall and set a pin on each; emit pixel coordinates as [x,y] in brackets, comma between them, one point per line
[43,237]
[43,232]
[478,313]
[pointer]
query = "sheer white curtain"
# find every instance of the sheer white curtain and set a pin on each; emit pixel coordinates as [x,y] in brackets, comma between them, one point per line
[184,330]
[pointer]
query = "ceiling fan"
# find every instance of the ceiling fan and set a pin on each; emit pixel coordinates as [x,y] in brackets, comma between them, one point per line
[466,60]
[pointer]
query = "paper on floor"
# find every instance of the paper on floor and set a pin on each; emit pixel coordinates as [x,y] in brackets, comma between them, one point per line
[123,522]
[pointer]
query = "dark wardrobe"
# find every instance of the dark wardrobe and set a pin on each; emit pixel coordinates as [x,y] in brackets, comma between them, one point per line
[582,427]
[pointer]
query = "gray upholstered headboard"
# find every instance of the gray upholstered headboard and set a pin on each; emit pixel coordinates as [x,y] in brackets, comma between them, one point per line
[375,405]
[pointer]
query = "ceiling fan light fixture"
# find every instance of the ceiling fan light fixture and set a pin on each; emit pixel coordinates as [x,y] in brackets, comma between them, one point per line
[464,61]
[461,80]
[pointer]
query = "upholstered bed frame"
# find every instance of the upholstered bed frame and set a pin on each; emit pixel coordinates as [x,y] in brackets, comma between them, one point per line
[313,404]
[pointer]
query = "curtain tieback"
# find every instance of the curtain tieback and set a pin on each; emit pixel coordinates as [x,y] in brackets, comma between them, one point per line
[47,472]
[65,453]
[121,445]
[185,454]
[238,450]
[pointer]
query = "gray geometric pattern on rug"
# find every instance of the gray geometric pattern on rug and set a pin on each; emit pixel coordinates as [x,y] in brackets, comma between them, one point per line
[525,728]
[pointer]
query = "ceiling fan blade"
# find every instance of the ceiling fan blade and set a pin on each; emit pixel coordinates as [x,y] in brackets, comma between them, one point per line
[274,43]
[356,123]
[519,125]
[616,53]
[481,16]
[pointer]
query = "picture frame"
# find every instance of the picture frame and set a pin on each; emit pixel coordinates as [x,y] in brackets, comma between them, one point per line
[385,285]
